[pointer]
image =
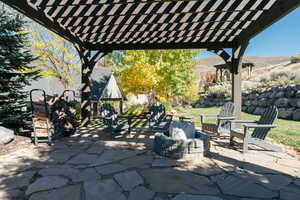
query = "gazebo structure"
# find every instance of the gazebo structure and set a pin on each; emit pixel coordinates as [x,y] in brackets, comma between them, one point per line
[223,66]
[97,27]
[112,92]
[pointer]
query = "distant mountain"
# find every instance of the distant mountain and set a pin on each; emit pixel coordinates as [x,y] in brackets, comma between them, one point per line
[207,64]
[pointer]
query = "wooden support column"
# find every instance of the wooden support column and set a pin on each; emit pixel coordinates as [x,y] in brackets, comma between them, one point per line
[236,73]
[88,59]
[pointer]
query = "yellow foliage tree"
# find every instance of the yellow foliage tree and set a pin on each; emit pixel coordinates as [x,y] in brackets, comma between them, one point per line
[56,57]
[166,73]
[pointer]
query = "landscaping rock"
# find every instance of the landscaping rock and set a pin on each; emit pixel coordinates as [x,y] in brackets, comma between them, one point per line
[129,180]
[6,135]
[46,183]
[259,111]
[285,113]
[296,115]
[282,102]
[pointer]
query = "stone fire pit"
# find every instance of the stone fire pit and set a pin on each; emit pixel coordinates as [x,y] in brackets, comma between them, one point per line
[183,141]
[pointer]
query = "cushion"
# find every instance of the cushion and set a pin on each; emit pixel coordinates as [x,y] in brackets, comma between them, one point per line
[178,134]
[188,128]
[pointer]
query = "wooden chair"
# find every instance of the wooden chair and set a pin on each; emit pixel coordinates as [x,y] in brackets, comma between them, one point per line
[260,132]
[158,119]
[112,120]
[222,124]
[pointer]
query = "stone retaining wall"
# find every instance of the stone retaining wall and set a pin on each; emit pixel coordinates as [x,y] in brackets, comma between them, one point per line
[286,98]
[255,101]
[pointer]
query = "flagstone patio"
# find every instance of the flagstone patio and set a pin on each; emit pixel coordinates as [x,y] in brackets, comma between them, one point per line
[90,165]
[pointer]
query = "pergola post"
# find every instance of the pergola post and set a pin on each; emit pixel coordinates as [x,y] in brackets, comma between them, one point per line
[88,61]
[236,72]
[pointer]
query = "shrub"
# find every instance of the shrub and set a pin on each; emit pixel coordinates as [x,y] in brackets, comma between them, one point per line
[218,91]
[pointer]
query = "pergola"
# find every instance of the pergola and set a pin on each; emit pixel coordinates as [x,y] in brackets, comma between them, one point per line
[97,27]
[223,66]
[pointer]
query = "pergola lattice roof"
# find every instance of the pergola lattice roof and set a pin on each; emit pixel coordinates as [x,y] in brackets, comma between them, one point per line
[155,24]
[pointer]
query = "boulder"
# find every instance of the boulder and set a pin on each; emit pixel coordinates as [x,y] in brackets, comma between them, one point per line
[282,102]
[6,135]
[250,109]
[295,102]
[259,111]
[263,102]
[285,113]
[297,94]
[296,115]
[280,94]
[290,92]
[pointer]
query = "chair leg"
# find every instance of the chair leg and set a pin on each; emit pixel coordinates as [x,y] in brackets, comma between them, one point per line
[231,143]
[245,145]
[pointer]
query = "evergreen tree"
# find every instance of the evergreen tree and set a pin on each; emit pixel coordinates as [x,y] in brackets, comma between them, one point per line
[15,70]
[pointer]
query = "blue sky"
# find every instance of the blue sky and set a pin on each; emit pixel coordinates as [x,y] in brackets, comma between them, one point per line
[281,39]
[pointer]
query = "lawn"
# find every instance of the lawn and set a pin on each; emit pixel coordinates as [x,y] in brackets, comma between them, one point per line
[287,132]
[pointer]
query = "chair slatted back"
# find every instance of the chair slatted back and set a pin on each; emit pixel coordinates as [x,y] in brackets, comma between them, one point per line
[268,117]
[227,110]
[107,110]
[157,113]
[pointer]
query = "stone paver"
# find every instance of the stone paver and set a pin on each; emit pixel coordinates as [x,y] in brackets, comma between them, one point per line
[96,149]
[195,197]
[10,194]
[91,166]
[85,175]
[141,193]
[174,181]
[290,193]
[103,190]
[67,193]
[82,159]
[59,171]
[142,161]
[111,155]
[16,181]
[234,185]
[271,181]
[46,183]
[129,180]
[110,168]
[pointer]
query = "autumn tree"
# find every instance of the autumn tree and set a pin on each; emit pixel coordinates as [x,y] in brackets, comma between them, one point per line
[57,58]
[169,73]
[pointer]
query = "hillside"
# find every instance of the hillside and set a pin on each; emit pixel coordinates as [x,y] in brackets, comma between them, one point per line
[206,64]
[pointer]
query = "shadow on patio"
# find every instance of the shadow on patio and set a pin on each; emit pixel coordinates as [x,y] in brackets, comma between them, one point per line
[90,165]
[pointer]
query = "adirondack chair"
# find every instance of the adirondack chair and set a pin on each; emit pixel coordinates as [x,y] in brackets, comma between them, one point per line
[158,119]
[112,120]
[260,132]
[222,124]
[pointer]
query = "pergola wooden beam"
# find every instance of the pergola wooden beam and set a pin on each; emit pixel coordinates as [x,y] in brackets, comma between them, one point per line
[107,25]
[278,11]
[40,18]
[88,63]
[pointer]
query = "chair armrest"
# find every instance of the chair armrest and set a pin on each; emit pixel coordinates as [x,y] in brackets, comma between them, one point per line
[260,125]
[202,117]
[226,118]
[209,115]
[242,121]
